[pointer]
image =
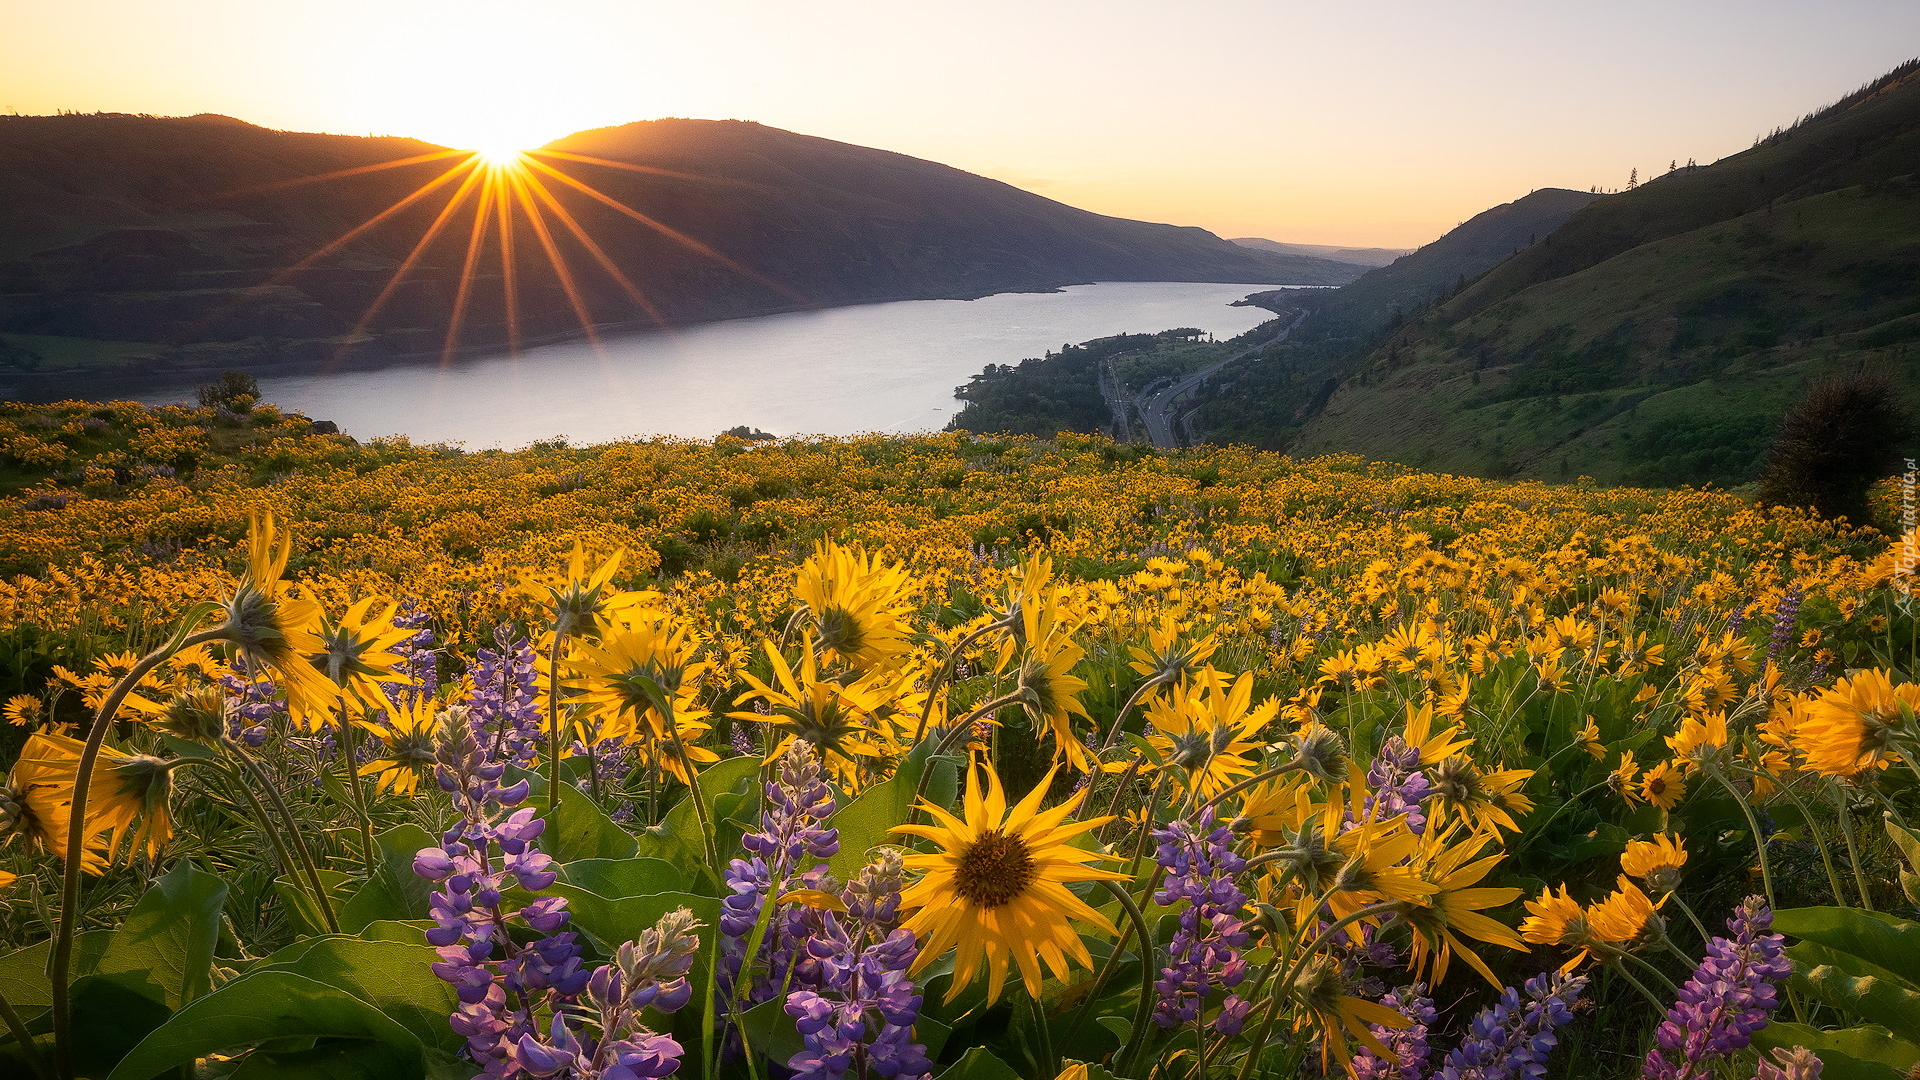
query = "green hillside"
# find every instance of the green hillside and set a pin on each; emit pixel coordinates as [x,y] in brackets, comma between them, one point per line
[1657,335]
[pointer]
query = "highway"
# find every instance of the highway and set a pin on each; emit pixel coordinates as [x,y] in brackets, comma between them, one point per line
[1155,405]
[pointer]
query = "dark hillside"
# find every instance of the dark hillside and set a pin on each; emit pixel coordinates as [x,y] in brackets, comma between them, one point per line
[1658,336]
[138,244]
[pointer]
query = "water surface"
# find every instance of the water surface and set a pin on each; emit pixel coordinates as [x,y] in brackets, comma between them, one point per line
[840,371]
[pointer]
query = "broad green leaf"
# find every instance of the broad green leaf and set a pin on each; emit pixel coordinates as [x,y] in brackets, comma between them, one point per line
[617,878]
[394,891]
[771,1031]
[299,903]
[1857,1053]
[392,976]
[413,932]
[262,1006]
[613,920]
[584,831]
[979,1064]
[161,955]
[1892,945]
[735,776]
[1856,988]
[867,823]
[330,1059]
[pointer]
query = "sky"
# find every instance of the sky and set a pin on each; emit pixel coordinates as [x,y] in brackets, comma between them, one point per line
[1366,123]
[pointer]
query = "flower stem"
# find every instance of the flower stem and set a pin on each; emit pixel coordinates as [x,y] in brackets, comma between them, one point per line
[60,963]
[312,868]
[1257,778]
[665,704]
[1143,1012]
[349,752]
[1621,970]
[25,1041]
[553,727]
[1853,852]
[1753,824]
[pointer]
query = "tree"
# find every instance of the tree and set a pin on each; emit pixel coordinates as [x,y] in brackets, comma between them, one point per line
[1835,443]
[1633,178]
[235,391]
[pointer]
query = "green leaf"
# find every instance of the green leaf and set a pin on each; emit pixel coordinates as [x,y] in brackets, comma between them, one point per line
[1858,1053]
[394,891]
[394,977]
[979,1064]
[584,831]
[299,903]
[734,776]
[613,920]
[164,949]
[262,1006]
[867,822]
[1856,988]
[614,879]
[330,1059]
[771,1032]
[1889,944]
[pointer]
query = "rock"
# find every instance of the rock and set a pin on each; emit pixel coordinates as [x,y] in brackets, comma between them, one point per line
[324,427]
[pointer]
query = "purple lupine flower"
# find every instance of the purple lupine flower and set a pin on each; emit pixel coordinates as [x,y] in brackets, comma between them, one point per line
[505,709]
[1513,1038]
[782,857]
[861,1019]
[1783,619]
[1725,1001]
[256,704]
[1205,951]
[1398,786]
[649,972]
[521,1009]
[502,985]
[1408,1045]
[1737,621]
[417,660]
[741,740]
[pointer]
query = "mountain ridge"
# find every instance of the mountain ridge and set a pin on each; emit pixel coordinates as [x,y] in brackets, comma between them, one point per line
[149,246]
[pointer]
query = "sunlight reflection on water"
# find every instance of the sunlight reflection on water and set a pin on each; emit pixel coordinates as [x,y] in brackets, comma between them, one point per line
[875,367]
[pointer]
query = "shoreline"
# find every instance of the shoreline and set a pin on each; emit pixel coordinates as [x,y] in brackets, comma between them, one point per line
[43,387]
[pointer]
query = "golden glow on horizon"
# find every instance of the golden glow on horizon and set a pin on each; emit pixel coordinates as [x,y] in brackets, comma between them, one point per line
[1367,124]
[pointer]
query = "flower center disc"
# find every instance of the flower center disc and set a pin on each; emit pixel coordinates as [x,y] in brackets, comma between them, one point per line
[993,870]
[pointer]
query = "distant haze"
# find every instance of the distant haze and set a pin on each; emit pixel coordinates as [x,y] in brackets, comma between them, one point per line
[1358,125]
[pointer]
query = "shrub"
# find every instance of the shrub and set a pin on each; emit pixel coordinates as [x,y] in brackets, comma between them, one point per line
[1835,443]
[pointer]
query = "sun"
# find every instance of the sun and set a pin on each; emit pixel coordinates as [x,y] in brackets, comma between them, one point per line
[500,155]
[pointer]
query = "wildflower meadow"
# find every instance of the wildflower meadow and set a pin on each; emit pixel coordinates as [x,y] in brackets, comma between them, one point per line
[934,757]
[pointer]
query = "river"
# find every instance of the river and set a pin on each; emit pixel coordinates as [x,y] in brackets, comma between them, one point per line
[840,371]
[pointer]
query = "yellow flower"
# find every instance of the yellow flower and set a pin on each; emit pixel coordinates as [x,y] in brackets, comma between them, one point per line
[1663,786]
[36,802]
[125,788]
[636,673]
[25,710]
[1589,737]
[1556,920]
[1455,907]
[827,715]
[1699,742]
[1048,690]
[997,891]
[1334,1009]
[1625,780]
[1851,726]
[356,654]
[1208,731]
[408,731]
[578,595]
[1481,799]
[1656,862]
[859,605]
[1169,656]
[1623,916]
[269,626]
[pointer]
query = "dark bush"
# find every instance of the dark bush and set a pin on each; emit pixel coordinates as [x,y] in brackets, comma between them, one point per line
[235,391]
[1835,443]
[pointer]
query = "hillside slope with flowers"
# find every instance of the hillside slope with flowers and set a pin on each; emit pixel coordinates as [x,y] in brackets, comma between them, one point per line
[937,756]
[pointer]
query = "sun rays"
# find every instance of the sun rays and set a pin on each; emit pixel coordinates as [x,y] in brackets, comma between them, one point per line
[505,202]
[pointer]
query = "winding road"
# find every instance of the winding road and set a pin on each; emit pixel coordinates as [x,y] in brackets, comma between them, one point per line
[1155,405]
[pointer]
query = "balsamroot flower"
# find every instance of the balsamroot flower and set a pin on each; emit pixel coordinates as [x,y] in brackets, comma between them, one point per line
[1852,726]
[125,789]
[409,732]
[997,892]
[268,626]
[857,604]
[1656,862]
